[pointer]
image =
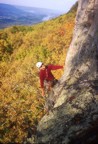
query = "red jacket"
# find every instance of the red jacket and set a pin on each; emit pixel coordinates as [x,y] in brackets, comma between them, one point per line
[46,73]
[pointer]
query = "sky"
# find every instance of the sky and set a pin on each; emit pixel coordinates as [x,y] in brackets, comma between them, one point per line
[61,5]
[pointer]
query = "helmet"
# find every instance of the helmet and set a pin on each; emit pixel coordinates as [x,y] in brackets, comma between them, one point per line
[39,64]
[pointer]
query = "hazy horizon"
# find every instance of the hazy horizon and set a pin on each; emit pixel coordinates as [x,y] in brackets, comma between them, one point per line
[59,5]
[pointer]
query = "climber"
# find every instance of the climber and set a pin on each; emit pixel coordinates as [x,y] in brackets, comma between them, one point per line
[47,80]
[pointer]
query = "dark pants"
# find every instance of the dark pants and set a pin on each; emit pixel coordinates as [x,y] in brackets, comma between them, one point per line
[49,101]
[50,84]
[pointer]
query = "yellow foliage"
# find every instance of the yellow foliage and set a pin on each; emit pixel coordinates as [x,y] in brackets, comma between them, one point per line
[21,105]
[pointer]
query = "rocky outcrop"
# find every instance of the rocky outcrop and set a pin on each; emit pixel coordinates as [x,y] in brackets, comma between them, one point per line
[74,119]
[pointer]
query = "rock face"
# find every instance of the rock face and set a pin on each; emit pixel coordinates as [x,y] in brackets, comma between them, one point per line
[74,119]
[83,52]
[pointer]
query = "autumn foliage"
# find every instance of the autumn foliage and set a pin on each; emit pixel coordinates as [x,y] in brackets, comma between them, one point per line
[21,105]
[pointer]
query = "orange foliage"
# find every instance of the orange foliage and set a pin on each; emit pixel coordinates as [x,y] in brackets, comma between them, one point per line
[21,105]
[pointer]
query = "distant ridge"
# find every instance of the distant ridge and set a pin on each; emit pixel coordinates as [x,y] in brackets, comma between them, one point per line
[7,10]
[20,15]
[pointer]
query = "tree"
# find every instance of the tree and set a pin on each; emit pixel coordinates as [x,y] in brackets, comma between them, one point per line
[75,114]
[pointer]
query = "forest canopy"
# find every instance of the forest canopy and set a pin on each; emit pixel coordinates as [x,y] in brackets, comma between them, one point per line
[21,105]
